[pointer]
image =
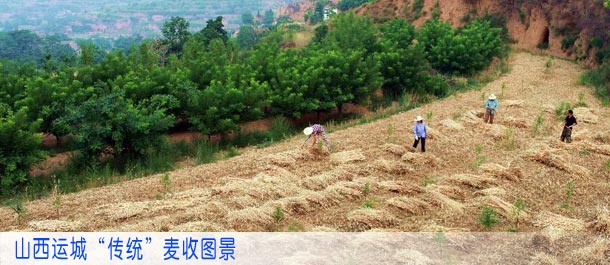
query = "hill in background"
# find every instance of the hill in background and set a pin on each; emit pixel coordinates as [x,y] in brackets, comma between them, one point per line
[112,18]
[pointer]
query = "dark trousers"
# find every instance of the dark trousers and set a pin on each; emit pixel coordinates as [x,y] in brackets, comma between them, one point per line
[423,143]
[489,116]
[566,135]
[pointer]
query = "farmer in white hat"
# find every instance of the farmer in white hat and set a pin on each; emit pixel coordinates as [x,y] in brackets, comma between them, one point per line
[420,131]
[315,131]
[491,106]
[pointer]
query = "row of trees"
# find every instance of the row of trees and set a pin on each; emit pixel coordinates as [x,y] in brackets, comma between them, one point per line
[123,105]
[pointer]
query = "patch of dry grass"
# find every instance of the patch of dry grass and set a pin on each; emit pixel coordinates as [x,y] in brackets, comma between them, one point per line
[371,218]
[345,157]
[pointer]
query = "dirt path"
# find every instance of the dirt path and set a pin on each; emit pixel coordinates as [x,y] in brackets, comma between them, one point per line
[468,165]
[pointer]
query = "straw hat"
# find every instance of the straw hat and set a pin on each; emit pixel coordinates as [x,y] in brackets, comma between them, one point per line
[492,97]
[308,131]
[419,118]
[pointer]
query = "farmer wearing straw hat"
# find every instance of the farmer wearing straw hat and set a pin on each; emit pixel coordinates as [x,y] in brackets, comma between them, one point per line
[420,131]
[490,108]
[316,130]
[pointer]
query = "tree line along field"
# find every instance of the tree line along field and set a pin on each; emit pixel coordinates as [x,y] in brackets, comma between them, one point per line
[111,18]
[121,106]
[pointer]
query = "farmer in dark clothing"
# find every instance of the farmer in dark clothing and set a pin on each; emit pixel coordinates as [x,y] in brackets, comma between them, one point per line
[569,123]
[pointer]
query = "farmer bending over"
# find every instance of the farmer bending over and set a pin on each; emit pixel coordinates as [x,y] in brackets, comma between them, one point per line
[316,130]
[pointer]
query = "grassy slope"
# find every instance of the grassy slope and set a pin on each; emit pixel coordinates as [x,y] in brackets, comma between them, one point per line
[321,192]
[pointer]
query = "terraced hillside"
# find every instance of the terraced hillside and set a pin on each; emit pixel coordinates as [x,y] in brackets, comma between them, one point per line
[372,181]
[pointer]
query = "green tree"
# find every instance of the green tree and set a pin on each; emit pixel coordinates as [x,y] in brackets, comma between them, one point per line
[351,32]
[221,106]
[214,29]
[109,123]
[247,18]
[19,148]
[320,33]
[268,18]
[175,31]
[247,37]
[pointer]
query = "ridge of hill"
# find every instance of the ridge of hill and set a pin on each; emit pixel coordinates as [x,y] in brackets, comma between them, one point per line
[468,165]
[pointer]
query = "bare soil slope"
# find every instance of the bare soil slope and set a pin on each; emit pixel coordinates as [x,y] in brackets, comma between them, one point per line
[468,165]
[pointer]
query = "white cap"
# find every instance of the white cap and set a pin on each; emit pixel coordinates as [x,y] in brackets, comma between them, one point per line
[308,131]
[419,118]
[492,97]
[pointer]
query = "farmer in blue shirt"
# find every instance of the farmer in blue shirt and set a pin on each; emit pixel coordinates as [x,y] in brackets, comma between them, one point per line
[420,131]
[490,108]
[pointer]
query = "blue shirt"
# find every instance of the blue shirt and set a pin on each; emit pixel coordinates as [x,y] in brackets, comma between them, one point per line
[419,129]
[491,104]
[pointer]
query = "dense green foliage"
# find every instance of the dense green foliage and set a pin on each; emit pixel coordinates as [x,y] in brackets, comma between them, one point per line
[465,51]
[118,107]
[19,149]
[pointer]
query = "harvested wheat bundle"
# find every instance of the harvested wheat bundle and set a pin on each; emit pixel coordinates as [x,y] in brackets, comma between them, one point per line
[602,149]
[348,190]
[554,158]
[545,219]
[279,159]
[496,131]
[413,256]
[121,211]
[394,149]
[439,228]
[391,166]
[433,134]
[513,103]
[296,205]
[323,229]
[596,253]
[450,191]
[515,122]
[441,200]
[156,224]
[261,187]
[55,226]
[410,205]
[542,258]
[469,180]
[400,187]
[198,226]
[504,208]
[602,137]
[349,156]
[495,191]
[498,171]
[472,116]
[581,135]
[601,223]
[451,125]
[321,181]
[320,199]
[372,218]
[419,159]
[250,219]
[241,201]
[585,115]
